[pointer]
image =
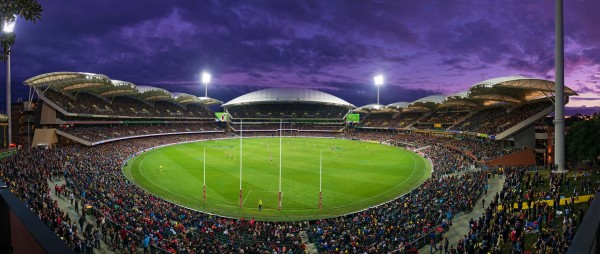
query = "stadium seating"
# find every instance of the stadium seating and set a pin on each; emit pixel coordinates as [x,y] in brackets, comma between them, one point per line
[288,110]
[96,133]
[444,117]
[106,189]
[129,209]
[383,120]
[273,126]
[496,119]
[93,174]
[390,120]
[84,103]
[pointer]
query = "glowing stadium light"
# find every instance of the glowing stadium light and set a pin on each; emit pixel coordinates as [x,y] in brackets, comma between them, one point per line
[205,80]
[378,82]
[8,26]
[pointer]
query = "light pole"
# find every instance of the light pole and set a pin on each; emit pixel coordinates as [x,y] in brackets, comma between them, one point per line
[378,82]
[205,81]
[8,27]
[559,91]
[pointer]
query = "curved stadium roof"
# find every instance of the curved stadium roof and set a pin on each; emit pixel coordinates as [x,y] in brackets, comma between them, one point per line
[276,95]
[101,85]
[510,89]
[514,89]
[427,103]
[184,98]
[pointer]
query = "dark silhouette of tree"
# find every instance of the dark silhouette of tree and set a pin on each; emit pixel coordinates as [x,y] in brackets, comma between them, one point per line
[583,140]
[29,10]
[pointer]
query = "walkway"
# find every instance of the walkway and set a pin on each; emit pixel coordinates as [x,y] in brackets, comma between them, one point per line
[460,223]
[65,206]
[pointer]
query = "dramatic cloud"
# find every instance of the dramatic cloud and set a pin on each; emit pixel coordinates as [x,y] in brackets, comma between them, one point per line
[422,47]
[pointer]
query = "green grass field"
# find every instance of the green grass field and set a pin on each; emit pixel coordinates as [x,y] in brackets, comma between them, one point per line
[355,175]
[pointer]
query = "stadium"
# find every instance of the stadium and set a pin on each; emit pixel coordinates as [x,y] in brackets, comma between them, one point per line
[290,170]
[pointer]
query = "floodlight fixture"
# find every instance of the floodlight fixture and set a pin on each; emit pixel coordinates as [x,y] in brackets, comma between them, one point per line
[378,82]
[8,26]
[205,78]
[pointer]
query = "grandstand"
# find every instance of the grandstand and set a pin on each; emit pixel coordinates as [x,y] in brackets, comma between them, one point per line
[84,107]
[91,108]
[302,109]
[458,133]
[504,109]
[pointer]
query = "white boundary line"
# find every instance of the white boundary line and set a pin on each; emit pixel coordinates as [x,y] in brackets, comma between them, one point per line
[244,201]
[311,217]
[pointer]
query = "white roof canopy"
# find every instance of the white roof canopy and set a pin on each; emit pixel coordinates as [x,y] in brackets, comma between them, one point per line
[276,95]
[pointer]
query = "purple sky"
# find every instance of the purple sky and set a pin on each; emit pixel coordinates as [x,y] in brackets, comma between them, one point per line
[422,47]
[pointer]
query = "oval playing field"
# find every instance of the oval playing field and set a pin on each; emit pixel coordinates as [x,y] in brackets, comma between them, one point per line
[355,175]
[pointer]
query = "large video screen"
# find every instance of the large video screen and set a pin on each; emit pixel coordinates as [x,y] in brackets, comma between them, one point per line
[221,116]
[353,118]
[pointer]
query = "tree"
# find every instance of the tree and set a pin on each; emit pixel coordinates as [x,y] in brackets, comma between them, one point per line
[29,10]
[583,140]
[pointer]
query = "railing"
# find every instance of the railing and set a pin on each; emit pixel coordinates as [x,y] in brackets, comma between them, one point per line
[21,231]
[587,237]
[74,138]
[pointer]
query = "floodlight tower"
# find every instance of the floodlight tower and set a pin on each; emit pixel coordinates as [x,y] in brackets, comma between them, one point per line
[378,82]
[8,27]
[559,91]
[205,81]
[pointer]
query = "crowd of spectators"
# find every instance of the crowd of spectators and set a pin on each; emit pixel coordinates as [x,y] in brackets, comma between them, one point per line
[288,110]
[84,103]
[482,149]
[396,225]
[477,149]
[96,133]
[405,119]
[497,119]
[390,120]
[94,176]
[382,120]
[503,225]
[287,126]
[444,116]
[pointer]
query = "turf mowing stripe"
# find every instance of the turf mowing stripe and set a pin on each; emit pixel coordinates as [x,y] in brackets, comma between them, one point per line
[356,175]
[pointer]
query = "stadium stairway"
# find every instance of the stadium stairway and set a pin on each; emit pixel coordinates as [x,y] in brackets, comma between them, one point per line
[65,205]
[418,120]
[524,124]
[310,247]
[52,105]
[525,157]
[462,120]
[460,222]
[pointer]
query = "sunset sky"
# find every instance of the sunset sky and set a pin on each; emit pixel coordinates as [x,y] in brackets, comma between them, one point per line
[421,47]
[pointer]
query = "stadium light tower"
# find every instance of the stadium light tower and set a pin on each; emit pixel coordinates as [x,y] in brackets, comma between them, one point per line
[559,91]
[205,81]
[8,27]
[378,82]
